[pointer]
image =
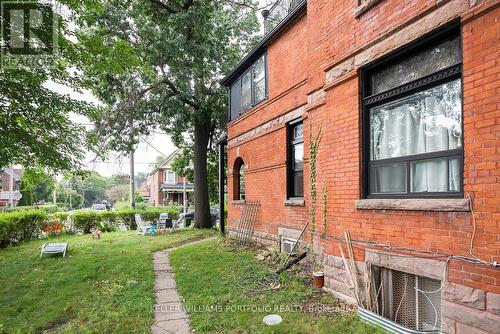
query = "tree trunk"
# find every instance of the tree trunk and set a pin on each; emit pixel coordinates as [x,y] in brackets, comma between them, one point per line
[201,201]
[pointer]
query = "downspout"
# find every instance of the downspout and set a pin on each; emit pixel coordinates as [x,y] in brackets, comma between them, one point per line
[222,142]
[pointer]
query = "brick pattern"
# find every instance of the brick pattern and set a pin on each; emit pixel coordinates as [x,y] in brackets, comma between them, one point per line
[315,64]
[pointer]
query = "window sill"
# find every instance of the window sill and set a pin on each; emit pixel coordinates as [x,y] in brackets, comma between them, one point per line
[363,8]
[238,202]
[295,202]
[446,205]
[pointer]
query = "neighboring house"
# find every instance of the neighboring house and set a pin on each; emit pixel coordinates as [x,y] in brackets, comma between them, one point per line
[5,176]
[165,187]
[407,95]
[144,192]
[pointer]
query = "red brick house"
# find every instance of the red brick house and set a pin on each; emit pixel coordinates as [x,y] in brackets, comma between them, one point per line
[406,95]
[5,177]
[166,187]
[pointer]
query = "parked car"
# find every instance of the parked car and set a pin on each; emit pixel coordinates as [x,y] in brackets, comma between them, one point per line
[99,207]
[188,218]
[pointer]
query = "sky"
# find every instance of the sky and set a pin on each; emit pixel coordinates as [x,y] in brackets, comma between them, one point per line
[146,153]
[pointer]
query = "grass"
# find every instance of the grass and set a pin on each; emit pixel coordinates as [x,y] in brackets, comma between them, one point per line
[206,273]
[102,286]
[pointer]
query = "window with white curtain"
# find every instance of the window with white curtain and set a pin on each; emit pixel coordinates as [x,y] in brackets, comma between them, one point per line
[295,164]
[413,107]
[170,177]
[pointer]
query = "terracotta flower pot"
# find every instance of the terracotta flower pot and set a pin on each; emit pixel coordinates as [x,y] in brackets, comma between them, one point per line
[319,279]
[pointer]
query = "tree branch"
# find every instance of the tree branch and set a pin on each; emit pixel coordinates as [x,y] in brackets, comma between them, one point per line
[244,4]
[185,6]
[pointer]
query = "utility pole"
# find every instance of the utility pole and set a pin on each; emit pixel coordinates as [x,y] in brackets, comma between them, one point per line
[83,201]
[11,186]
[132,181]
[184,197]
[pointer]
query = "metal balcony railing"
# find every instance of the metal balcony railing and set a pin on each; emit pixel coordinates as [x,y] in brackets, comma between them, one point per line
[278,12]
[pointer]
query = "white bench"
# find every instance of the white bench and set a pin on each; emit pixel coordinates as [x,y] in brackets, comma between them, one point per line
[54,249]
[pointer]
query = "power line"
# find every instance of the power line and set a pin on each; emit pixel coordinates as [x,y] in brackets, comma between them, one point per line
[119,162]
[157,150]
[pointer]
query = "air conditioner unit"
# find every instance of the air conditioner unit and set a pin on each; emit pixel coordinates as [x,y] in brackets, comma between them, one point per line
[287,245]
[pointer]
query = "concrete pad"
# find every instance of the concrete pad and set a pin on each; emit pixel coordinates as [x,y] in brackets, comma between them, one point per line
[180,326]
[164,283]
[169,311]
[167,296]
[164,274]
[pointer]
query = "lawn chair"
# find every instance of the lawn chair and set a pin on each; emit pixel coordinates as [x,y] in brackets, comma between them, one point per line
[60,248]
[144,228]
[122,227]
[164,223]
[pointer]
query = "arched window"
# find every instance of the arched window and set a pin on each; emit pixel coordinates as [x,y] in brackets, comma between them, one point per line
[239,180]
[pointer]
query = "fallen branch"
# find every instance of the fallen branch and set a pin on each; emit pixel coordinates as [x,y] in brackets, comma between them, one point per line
[291,263]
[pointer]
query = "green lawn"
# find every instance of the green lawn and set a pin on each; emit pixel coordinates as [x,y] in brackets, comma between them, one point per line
[206,273]
[102,286]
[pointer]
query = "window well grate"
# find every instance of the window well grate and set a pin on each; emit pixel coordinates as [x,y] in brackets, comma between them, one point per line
[409,300]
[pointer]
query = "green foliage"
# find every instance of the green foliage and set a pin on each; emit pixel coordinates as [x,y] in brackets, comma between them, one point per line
[35,124]
[158,64]
[61,216]
[117,192]
[17,226]
[49,208]
[86,219]
[325,209]
[183,166]
[313,154]
[37,186]
[91,184]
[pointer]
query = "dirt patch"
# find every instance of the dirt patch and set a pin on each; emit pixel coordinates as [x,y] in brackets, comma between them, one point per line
[320,303]
[54,325]
[188,241]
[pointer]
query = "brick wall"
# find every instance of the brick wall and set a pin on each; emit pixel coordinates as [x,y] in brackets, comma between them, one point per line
[155,180]
[314,72]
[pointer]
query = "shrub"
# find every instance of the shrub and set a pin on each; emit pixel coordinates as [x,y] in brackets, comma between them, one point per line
[16,226]
[49,208]
[85,220]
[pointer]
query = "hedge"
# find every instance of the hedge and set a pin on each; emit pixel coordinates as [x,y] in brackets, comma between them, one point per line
[86,219]
[16,226]
[48,208]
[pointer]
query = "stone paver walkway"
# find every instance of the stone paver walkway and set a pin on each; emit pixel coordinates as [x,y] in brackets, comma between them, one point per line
[169,315]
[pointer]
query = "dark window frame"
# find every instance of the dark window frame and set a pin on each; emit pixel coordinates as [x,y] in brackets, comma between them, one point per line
[369,101]
[238,195]
[253,101]
[290,143]
[250,73]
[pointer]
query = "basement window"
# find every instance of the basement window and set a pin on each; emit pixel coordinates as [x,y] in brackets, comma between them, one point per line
[411,301]
[287,245]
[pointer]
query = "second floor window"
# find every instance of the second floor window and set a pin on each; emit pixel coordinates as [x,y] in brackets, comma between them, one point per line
[296,160]
[413,115]
[170,177]
[246,90]
[249,89]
